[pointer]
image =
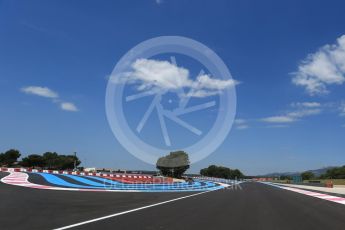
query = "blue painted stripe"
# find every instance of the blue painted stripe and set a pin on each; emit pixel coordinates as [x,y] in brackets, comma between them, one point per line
[53,179]
[58,181]
[195,184]
[85,181]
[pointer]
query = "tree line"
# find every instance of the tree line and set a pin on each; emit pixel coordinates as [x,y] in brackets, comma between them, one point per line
[333,173]
[176,163]
[221,172]
[48,160]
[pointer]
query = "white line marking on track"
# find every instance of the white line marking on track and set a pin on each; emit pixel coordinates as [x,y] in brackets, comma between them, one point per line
[129,211]
[336,199]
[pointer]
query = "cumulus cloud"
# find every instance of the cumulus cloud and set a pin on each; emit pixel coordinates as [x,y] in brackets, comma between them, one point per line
[323,68]
[48,93]
[300,110]
[156,75]
[160,74]
[206,82]
[40,91]
[68,106]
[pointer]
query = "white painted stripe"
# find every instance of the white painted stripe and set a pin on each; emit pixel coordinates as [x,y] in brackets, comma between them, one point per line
[129,211]
[336,199]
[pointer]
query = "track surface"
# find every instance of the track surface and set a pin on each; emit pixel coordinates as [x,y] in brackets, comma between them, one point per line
[256,206]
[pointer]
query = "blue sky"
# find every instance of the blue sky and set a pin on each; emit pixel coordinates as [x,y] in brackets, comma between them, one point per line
[56,57]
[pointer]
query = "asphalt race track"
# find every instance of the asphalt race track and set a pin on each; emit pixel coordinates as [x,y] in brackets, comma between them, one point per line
[248,206]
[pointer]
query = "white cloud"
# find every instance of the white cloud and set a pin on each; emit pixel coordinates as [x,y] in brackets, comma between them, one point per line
[306,104]
[323,68]
[292,116]
[68,106]
[48,93]
[242,127]
[304,113]
[40,91]
[241,124]
[279,119]
[159,2]
[205,81]
[156,75]
[240,121]
[160,74]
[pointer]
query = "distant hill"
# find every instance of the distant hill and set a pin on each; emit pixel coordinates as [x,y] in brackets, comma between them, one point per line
[316,172]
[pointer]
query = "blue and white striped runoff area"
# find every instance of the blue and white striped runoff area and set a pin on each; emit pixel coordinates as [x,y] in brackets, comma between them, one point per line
[96,183]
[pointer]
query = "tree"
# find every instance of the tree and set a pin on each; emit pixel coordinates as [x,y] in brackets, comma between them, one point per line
[221,172]
[33,160]
[50,160]
[174,164]
[66,162]
[334,173]
[307,175]
[236,174]
[285,177]
[9,157]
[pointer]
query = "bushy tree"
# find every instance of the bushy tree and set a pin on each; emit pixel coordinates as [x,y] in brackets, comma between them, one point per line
[307,175]
[334,173]
[66,162]
[9,157]
[236,174]
[174,164]
[221,172]
[51,160]
[33,160]
[285,177]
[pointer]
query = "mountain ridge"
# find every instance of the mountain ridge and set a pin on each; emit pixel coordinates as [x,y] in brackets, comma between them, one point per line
[316,172]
